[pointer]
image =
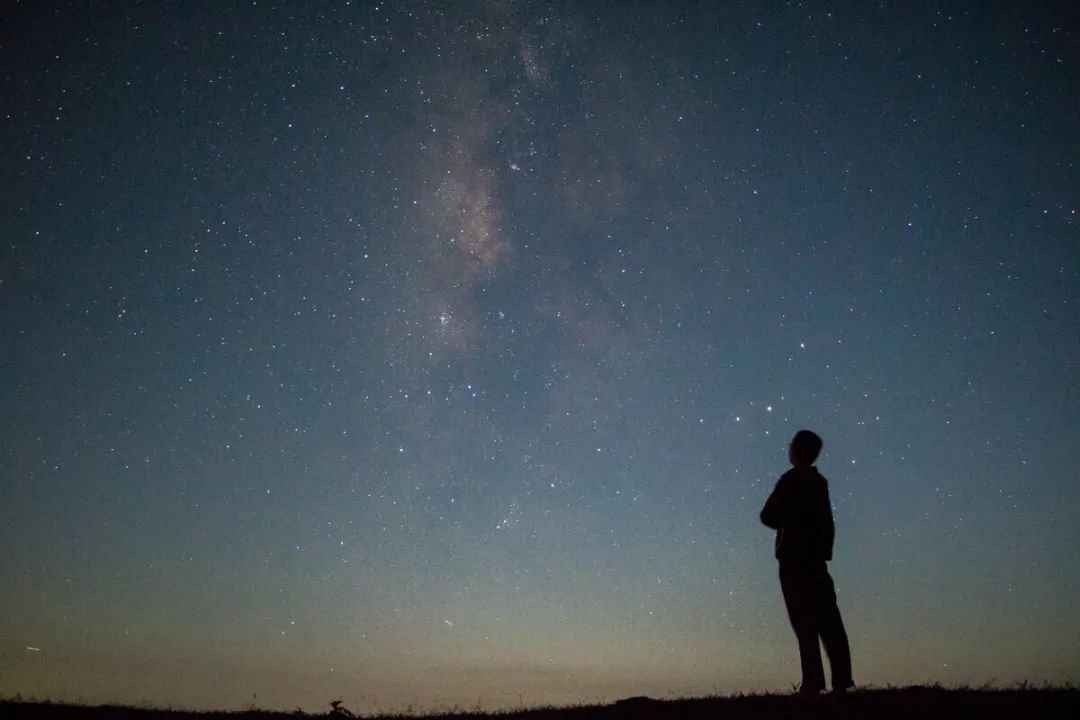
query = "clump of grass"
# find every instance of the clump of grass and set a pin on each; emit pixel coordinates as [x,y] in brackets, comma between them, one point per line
[338,710]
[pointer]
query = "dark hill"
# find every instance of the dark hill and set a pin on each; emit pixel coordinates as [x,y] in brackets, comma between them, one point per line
[923,703]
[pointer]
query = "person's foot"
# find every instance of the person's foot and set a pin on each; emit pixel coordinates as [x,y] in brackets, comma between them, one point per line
[810,690]
[843,688]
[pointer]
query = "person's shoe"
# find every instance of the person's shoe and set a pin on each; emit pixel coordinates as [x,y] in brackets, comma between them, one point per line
[810,690]
[843,688]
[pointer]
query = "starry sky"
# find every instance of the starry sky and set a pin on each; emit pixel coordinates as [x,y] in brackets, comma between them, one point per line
[445,353]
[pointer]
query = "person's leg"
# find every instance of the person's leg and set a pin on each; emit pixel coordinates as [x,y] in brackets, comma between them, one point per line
[796,584]
[833,635]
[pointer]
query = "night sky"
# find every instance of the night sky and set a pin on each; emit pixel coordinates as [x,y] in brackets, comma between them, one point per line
[445,353]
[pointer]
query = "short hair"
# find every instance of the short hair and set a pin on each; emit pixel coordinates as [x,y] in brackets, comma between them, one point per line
[807,444]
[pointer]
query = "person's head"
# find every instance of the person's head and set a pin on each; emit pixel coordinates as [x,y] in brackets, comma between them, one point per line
[804,448]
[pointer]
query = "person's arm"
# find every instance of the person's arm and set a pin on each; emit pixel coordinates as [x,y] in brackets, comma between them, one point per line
[775,512]
[828,527]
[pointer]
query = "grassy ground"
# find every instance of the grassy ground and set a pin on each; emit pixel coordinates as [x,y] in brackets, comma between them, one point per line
[923,703]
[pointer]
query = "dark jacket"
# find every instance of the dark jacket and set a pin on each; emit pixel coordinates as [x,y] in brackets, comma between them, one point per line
[800,512]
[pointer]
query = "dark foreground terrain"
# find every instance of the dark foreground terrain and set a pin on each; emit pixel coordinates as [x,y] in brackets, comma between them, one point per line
[875,704]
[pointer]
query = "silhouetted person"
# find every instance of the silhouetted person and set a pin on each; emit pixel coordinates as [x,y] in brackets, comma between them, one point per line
[800,512]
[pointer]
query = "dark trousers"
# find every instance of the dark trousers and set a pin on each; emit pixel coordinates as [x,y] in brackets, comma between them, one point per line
[811,604]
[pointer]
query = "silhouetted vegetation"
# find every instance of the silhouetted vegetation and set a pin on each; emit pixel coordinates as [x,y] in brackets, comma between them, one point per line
[1021,701]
